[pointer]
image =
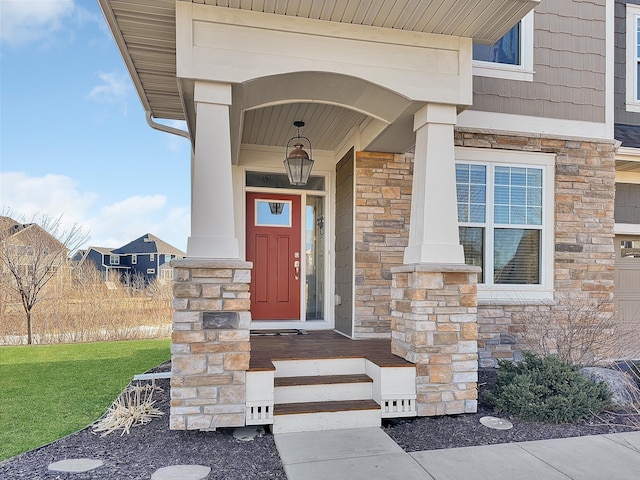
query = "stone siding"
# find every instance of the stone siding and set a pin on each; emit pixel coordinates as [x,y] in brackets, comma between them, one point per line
[383,207]
[584,249]
[210,343]
[434,326]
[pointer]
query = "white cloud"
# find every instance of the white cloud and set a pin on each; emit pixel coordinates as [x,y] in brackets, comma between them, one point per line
[113,89]
[109,225]
[25,21]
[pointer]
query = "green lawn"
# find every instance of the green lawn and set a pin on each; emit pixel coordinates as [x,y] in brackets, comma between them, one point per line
[49,391]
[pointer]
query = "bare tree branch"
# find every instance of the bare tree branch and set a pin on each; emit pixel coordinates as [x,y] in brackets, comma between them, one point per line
[32,253]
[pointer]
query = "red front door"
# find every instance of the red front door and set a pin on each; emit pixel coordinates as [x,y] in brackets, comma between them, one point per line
[273,245]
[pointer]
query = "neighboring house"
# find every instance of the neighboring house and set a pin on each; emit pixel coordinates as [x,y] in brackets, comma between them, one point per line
[464,179]
[146,257]
[104,261]
[30,247]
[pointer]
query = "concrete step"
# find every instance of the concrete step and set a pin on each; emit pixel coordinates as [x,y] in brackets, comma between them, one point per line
[323,388]
[332,415]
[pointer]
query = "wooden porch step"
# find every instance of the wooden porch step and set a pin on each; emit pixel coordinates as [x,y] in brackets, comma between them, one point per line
[331,415]
[321,380]
[324,407]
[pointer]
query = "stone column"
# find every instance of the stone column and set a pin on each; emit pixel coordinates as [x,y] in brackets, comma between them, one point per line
[434,308]
[212,208]
[433,233]
[210,343]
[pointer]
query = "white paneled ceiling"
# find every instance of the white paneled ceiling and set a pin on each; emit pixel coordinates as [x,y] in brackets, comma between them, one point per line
[324,124]
[145,33]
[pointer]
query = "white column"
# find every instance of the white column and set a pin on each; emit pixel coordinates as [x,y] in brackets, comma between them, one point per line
[212,216]
[433,234]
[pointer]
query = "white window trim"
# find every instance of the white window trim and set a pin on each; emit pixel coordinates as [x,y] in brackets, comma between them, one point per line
[632,101]
[114,259]
[524,71]
[518,294]
[151,271]
[134,259]
[152,257]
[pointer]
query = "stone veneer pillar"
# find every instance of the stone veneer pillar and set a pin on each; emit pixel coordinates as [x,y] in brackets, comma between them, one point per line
[210,343]
[434,326]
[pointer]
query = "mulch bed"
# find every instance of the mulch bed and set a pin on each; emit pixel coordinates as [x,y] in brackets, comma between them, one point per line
[149,447]
[452,431]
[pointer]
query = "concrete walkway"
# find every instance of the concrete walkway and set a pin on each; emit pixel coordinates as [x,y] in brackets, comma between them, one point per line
[370,454]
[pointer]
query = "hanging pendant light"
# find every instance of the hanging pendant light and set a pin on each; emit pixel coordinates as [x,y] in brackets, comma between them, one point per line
[298,163]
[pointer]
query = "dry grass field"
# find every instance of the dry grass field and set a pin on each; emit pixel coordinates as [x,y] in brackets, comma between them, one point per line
[85,308]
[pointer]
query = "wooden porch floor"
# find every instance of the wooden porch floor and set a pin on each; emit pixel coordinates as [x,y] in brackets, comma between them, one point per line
[267,346]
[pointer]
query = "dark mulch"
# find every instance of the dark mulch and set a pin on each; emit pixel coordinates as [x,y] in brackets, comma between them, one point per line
[452,431]
[152,446]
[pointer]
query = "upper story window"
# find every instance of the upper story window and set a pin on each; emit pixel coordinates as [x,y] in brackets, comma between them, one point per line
[511,57]
[505,219]
[114,260]
[633,58]
[167,258]
[506,50]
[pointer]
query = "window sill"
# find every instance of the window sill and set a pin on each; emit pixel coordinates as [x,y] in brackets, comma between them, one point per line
[632,107]
[498,70]
[515,296]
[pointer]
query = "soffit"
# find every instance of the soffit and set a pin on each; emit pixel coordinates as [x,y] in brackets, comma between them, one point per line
[145,32]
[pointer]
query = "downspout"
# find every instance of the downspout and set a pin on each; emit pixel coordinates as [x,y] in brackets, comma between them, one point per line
[165,128]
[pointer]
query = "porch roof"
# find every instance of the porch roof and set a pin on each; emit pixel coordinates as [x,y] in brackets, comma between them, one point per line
[145,32]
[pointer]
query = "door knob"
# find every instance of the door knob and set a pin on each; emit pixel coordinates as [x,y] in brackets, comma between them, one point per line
[296,264]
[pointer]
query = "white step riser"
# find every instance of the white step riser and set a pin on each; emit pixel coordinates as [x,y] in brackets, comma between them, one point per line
[324,393]
[308,368]
[312,422]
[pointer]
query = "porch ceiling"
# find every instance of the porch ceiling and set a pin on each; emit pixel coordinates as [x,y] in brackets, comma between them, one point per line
[145,32]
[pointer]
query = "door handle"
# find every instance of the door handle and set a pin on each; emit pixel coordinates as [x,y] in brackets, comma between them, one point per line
[296,265]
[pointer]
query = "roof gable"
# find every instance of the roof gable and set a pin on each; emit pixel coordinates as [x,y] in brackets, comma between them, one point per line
[148,243]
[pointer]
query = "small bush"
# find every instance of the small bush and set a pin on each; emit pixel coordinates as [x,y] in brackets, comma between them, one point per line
[546,389]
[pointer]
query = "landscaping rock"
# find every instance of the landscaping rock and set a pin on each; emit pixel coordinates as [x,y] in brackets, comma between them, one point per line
[624,392]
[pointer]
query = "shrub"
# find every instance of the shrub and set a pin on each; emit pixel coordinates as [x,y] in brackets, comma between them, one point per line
[546,389]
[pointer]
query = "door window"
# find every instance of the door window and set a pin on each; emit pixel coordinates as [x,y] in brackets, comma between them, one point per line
[271,213]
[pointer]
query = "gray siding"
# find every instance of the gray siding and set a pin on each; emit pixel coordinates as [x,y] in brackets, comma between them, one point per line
[569,65]
[627,206]
[345,242]
[620,86]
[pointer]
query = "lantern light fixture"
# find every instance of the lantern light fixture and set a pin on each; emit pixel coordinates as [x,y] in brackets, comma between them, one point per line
[297,162]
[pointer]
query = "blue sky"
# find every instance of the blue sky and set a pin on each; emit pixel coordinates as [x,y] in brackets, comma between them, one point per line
[73,136]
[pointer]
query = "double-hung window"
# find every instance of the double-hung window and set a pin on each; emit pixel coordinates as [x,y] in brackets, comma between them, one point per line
[114,260]
[511,57]
[506,222]
[633,58]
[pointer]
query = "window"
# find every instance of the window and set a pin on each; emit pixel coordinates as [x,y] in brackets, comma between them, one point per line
[506,220]
[134,259]
[114,260]
[152,257]
[166,274]
[167,258]
[506,50]
[151,271]
[633,58]
[272,214]
[630,249]
[511,57]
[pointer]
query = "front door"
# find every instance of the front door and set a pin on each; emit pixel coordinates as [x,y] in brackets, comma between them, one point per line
[273,245]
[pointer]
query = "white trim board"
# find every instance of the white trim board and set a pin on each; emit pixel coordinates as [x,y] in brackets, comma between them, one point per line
[532,125]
